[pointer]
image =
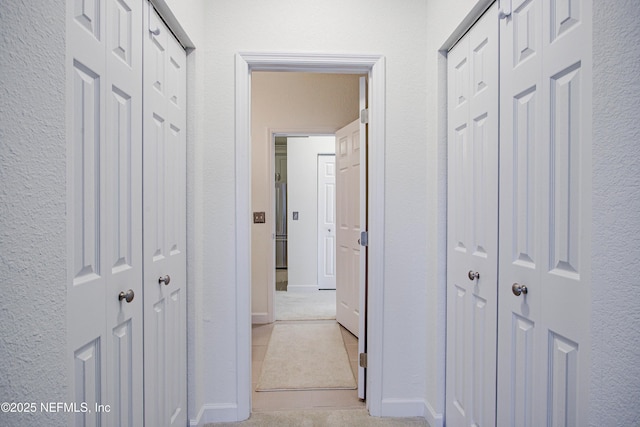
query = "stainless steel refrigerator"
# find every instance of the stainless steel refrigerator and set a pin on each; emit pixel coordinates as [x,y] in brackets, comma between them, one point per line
[281,225]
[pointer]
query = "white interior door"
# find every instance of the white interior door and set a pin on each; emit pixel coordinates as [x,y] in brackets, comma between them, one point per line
[348,227]
[545,175]
[472,225]
[164,166]
[105,215]
[326,221]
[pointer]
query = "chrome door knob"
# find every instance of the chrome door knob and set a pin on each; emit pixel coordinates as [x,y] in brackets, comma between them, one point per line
[166,279]
[127,296]
[519,289]
[473,275]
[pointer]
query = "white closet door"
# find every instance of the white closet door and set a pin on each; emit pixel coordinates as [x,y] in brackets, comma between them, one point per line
[105,211]
[545,218]
[326,222]
[472,253]
[123,213]
[164,166]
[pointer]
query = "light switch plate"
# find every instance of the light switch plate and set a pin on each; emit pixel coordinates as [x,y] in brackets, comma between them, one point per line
[258,218]
[295,216]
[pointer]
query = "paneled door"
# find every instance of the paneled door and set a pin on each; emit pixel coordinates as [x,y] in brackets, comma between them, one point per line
[326,221]
[472,231]
[545,213]
[348,226]
[164,198]
[104,47]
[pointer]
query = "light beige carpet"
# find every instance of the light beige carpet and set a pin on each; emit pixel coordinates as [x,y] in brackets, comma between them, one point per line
[306,356]
[323,418]
[318,304]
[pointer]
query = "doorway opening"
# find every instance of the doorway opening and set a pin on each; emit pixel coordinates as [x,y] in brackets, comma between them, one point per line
[304,226]
[372,66]
[304,212]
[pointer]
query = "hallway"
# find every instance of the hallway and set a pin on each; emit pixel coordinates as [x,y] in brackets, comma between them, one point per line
[63,162]
[310,407]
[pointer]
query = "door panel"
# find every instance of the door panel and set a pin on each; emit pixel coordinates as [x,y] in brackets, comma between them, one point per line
[124,199]
[105,200]
[473,225]
[164,165]
[326,222]
[348,230]
[545,205]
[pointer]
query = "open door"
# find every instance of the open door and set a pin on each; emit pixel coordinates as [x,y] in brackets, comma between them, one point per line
[351,221]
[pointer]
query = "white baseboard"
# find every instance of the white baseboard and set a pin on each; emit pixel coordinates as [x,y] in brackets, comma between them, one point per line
[411,408]
[302,288]
[260,318]
[402,408]
[216,413]
[433,418]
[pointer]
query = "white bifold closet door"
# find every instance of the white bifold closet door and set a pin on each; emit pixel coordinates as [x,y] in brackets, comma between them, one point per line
[472,231]
[545,213]
[164,166]
[104,199]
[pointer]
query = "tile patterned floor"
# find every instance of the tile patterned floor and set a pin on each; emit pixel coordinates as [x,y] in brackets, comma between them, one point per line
[266,401]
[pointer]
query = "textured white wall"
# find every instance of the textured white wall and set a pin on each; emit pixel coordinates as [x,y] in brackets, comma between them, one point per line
[615,372]
[302,189]
[362,26]
[32,209]
[291,102]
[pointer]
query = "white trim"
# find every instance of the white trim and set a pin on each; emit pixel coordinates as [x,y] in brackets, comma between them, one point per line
[412,408]
[310,62]
[261,318]
[374,66]
[433,418]
[465,25]
[210,413]
[394,407]
[375,250]
[165,12]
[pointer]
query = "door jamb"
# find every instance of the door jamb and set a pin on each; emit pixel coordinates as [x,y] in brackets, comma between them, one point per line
[374,67]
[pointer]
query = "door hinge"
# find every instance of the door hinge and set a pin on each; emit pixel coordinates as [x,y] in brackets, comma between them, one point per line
[364,238]
[363,360]
[364,116]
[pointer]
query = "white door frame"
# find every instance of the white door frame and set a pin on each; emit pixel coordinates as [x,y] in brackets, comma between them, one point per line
[374,67]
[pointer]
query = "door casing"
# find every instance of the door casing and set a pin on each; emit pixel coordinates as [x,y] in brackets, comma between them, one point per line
[374,67]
